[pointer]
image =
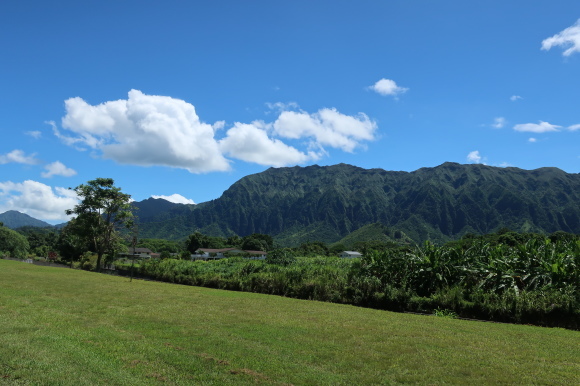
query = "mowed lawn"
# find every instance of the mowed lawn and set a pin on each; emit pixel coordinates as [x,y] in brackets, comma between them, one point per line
[63,326]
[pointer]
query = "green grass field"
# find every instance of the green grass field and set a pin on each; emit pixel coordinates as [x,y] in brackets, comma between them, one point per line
[63,326]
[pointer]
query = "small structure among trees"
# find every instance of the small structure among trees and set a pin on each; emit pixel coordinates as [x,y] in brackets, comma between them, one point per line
[350,254]
[212,253]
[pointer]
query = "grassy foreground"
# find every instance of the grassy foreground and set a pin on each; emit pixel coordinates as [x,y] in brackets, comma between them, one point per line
[62,326]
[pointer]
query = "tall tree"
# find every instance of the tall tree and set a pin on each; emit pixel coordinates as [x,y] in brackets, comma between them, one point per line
[13,243]
[195,241]
[72,242]
[102,211]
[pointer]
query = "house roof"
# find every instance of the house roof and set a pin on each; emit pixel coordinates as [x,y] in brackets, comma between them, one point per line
[352,252]
[220,250]
[140,250]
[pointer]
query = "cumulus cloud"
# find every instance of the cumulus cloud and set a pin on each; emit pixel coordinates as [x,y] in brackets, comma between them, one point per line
[176,199]
[57,168]
[568,38]
[37,199]
[327,127]
[574,127]
[388,87]
[145,130]
[70,141]
[532,140]
[34,134]
[218,125]
[475,157]
[542,127]
[498,122]
[514,98]
[250,143]
[18,156]
[151,130]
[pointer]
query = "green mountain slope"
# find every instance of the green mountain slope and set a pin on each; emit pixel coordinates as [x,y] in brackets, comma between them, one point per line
[14,219]
[327,203]
[376,233]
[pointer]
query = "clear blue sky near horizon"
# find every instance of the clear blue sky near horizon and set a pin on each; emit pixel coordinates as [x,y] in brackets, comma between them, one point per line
[180,99]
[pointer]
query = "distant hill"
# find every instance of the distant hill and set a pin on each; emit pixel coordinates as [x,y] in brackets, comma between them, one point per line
[152,207]
[299,204]
[375,232]
[14,219]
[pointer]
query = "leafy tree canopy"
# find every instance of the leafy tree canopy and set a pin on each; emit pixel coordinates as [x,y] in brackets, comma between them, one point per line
[13,243]
[103,209]
[39,237]
[160,245]
[313,248]
[72,243]
[257,242]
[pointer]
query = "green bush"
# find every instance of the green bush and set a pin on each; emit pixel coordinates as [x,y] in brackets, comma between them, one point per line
[534,282]
[13,243]
[88,261]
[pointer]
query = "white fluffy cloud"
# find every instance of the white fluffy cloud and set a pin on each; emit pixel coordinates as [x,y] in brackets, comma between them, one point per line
[475,157]
[388,87]
[176,199]
[218,125]
[157,130]
[57,168]
[498,122]
[37,199]
[327,127]
[574,127]
[532,140]
[568,38]
[18,156]
[145,130]
[250,143]
[542,127]
[514,98]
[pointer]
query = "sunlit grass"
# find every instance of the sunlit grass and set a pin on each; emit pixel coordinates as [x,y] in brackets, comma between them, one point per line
[62,326]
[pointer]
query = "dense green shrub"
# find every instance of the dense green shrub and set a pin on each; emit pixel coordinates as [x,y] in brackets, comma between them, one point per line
[13,244]
[532,282]
[282,256]
[88,261]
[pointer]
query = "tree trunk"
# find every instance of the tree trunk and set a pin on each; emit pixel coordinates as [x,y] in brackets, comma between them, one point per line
[99,258]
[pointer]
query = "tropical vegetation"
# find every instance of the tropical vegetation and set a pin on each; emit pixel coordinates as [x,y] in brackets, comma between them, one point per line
[535,281]
[13,243]
[102,210]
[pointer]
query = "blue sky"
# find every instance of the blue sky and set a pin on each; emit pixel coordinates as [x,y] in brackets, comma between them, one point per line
[186,97]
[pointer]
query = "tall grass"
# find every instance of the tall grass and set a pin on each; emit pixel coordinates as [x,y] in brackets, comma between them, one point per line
[536,282]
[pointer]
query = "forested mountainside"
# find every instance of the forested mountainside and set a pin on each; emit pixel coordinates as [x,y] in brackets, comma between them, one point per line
[327,203]
[14,219]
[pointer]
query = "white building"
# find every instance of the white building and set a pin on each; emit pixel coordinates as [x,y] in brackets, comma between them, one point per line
[350,254]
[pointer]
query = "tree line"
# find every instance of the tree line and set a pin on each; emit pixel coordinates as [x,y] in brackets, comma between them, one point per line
[104,225]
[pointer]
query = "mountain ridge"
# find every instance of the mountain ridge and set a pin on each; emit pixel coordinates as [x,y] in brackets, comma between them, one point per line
[435,203]
[327,203]
[14,219]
